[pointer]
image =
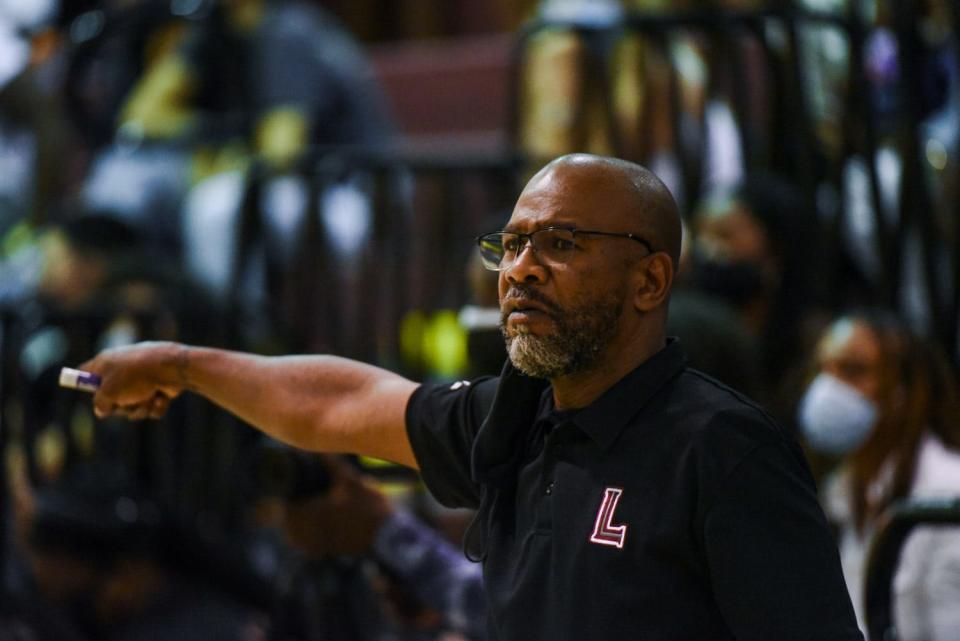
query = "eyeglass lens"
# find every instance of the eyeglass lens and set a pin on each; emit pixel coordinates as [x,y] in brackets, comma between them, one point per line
[499,250]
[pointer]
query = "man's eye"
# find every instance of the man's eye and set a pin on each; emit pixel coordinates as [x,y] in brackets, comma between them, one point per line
[562,244]
[510,244]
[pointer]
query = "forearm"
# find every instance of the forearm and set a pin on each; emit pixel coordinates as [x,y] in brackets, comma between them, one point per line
[322,403]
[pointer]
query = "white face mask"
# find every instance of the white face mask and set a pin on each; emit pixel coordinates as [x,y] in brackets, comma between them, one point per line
[28,14]
[835,418]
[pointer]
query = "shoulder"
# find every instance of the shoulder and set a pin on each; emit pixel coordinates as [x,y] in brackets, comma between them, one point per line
[442,422]
[309,24]
[708,412]
[465,401]
[296,17]
[938,470]
[714,431]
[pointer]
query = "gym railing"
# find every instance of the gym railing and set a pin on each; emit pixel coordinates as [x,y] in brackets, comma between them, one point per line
[884,557]
[775,40]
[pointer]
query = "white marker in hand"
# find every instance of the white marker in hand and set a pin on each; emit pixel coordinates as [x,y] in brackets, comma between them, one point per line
[78,379]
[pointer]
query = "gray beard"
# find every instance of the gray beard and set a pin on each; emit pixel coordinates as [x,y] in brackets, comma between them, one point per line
[580,337]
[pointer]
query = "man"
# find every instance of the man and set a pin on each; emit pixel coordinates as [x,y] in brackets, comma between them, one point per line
[630,498]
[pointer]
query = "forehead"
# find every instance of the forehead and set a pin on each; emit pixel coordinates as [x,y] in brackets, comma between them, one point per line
[735,228]
[849,340]
[585,196]
[733,217]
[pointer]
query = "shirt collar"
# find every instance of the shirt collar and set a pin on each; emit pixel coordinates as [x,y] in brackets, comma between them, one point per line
[517,405]
[605,418]
[499,444]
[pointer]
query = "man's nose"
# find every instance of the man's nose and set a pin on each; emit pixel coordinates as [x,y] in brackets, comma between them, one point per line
[526,267]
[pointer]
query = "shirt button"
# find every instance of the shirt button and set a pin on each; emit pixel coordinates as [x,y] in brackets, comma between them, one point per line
[549,489]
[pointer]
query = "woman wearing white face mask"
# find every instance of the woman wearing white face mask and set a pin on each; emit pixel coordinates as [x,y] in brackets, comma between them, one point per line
[886,403]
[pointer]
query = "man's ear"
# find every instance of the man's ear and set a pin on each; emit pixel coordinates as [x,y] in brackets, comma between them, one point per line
[654,277]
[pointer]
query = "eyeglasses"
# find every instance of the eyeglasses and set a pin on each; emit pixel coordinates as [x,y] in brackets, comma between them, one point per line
[552,245]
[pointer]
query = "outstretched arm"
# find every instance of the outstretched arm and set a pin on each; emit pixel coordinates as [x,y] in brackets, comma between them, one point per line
[322,403]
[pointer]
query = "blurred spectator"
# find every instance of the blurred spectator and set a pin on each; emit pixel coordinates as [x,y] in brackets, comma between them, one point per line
[92,283]
[98,557]
[269,80]
[81,258]
[750,250]
[92,263]
[241,80]
[885,403]
[34,136]
[716,340]
[427,588]
[284,75]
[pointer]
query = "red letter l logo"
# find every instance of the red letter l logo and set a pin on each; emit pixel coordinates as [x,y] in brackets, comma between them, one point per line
[604,531]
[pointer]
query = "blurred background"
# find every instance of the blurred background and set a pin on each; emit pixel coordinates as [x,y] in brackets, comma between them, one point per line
[308,176]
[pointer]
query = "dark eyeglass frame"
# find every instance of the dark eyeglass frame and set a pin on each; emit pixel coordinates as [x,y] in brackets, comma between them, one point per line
[488,240]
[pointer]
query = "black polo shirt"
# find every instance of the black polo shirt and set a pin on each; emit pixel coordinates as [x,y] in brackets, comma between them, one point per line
[672,509]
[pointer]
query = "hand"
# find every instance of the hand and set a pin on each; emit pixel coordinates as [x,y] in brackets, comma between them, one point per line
[138,381]
[341,522]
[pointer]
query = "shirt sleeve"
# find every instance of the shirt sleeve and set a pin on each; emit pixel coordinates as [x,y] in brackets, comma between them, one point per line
[773,563]
[442,423]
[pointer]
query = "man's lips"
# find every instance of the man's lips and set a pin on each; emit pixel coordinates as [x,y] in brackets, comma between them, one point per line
[525,306]
[524,316]
[519,310]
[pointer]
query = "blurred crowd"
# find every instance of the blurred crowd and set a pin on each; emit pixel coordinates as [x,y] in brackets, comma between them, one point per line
[228,172]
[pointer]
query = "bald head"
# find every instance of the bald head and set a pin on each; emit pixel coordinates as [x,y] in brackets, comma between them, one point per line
[584,311]
[645,205]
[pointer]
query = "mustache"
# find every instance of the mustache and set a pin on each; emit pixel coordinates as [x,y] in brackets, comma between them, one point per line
[523,293]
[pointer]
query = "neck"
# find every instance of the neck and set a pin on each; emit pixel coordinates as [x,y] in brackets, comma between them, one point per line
[619,359]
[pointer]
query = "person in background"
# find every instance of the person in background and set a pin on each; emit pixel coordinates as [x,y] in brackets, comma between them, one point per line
[884,404]
[716,340]
[284,75]
[92,262]
[36,152]
[354,518]
[99,559]
[748,251]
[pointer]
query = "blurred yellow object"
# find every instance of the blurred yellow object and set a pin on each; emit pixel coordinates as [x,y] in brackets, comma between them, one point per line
[50,452]
[21,235]
[209,161]
[281,136]
[551,94]
[445,345]
[572,102]
[436,344]
[158,107]
[412,328]
[82,430]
